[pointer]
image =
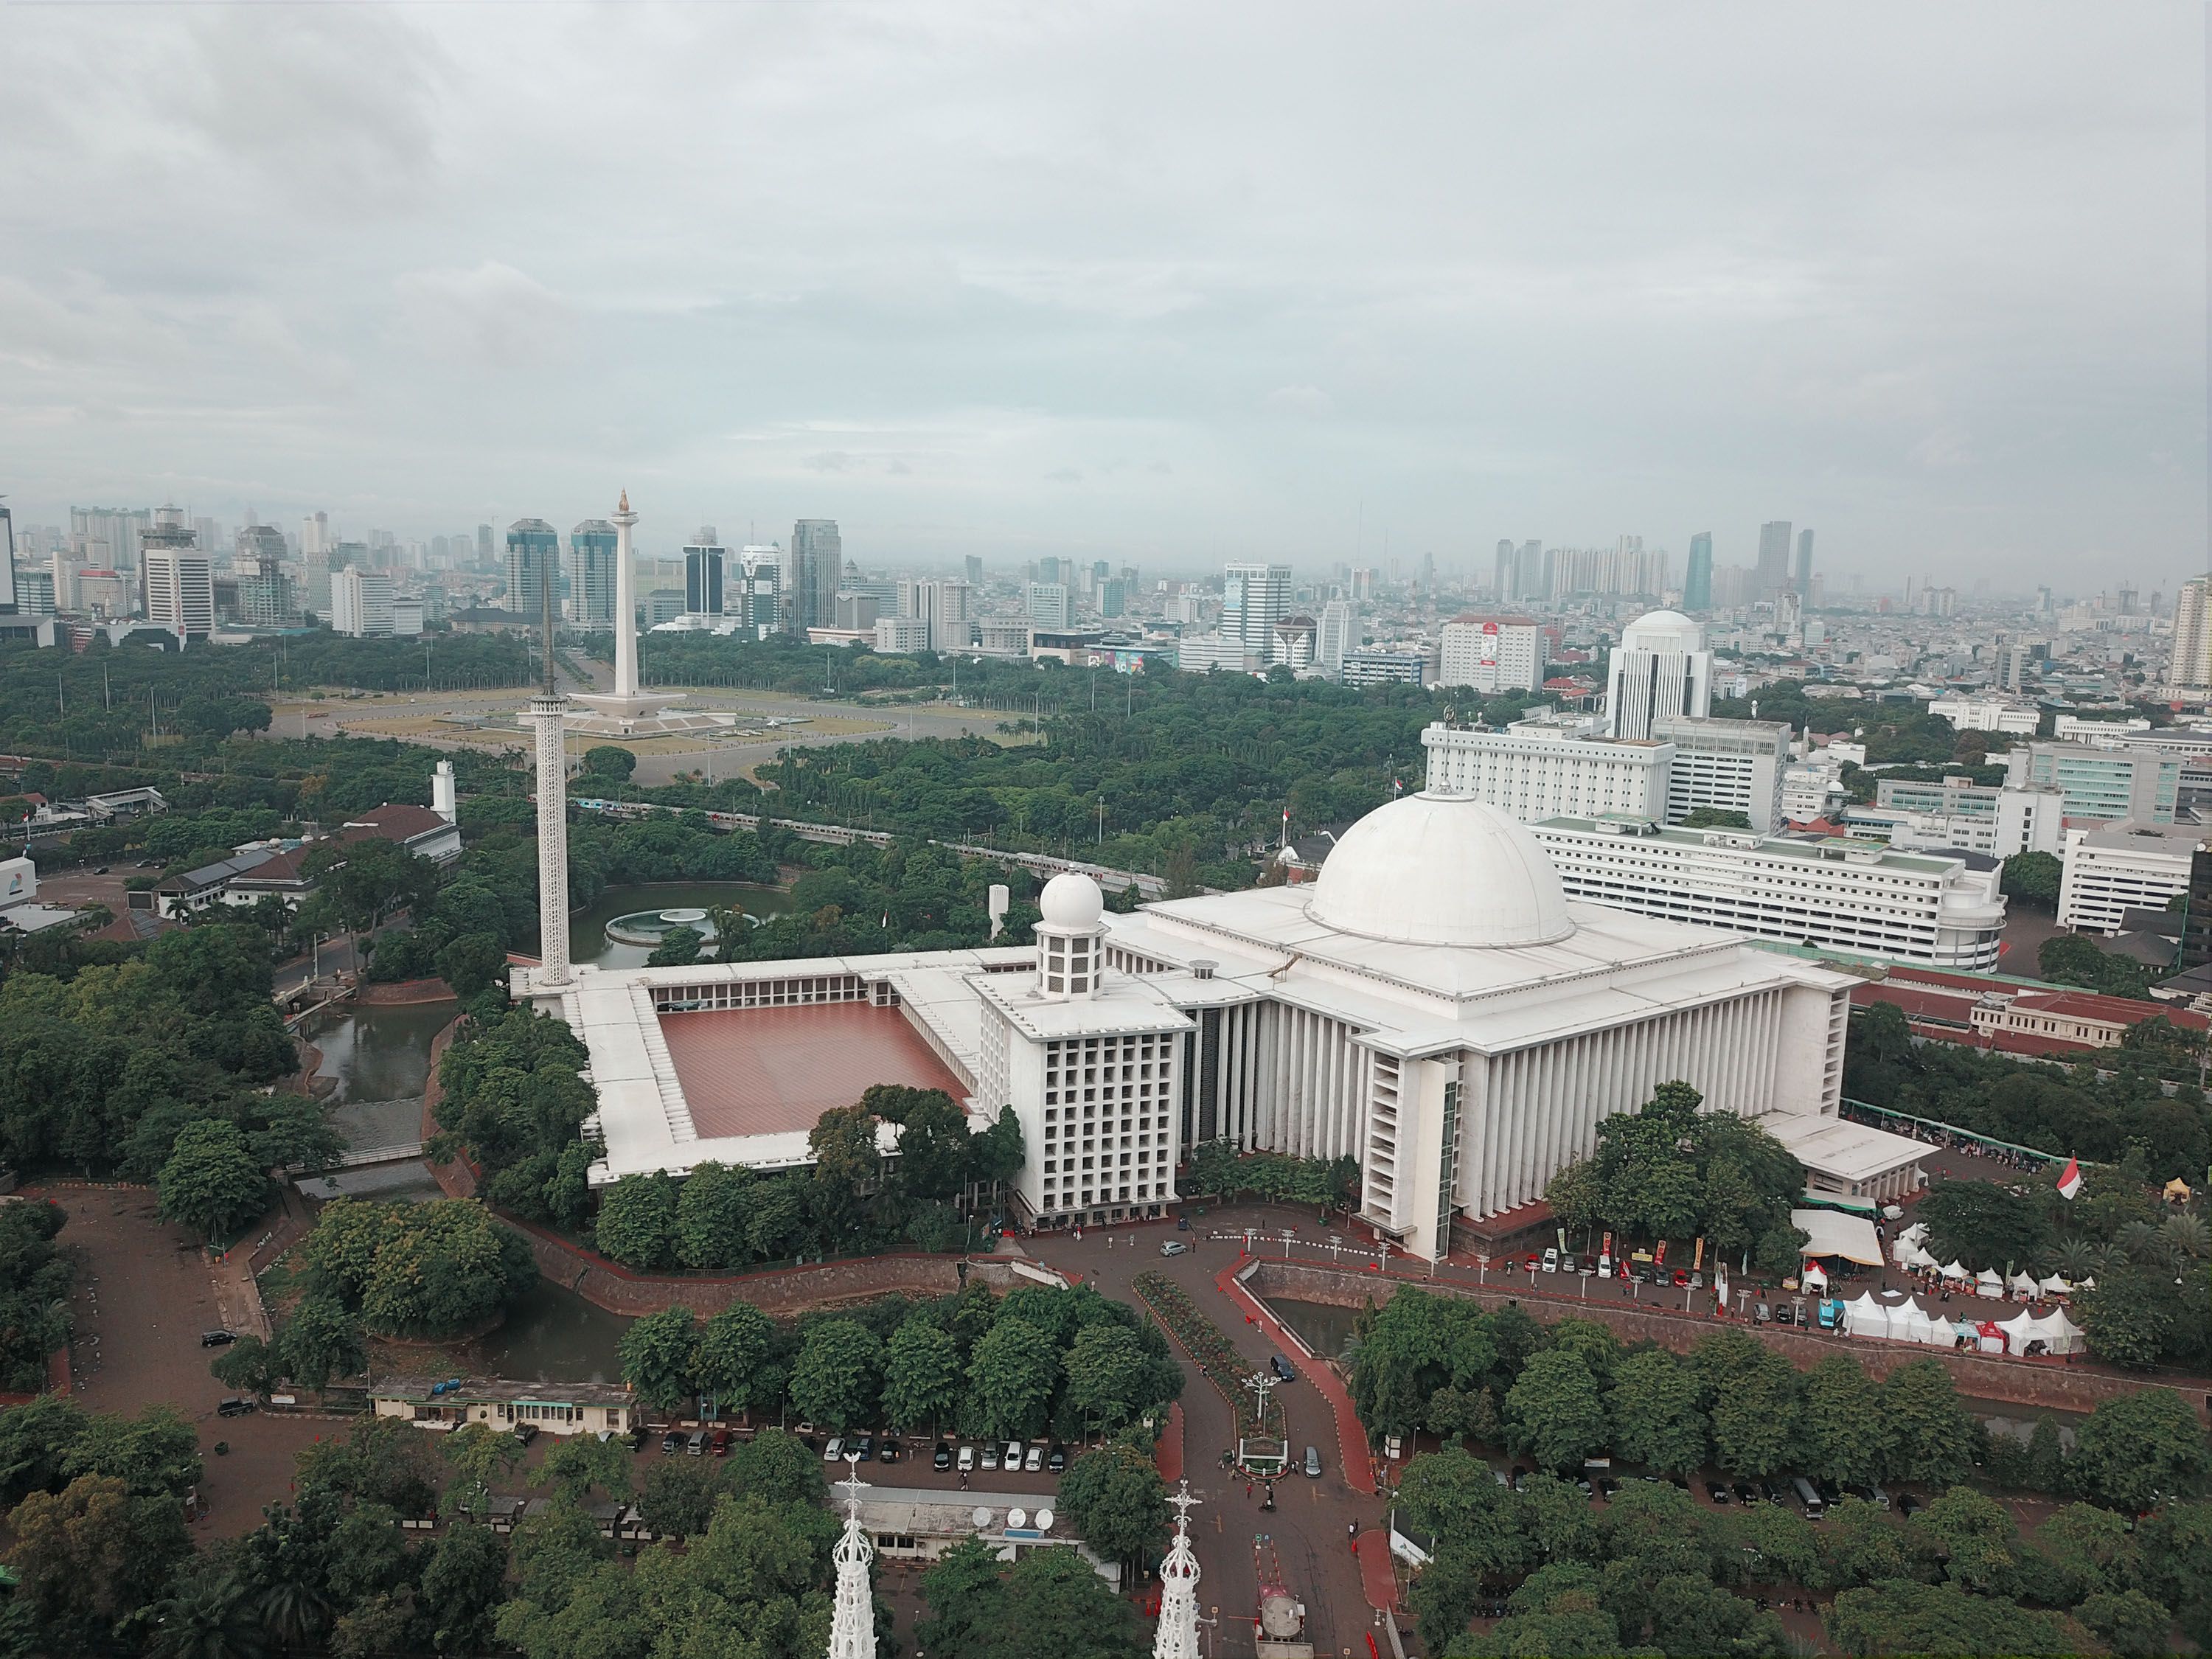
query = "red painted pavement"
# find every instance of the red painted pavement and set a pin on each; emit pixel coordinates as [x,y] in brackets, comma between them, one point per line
[1167,1455]
[1375,1575]
[1353,1457]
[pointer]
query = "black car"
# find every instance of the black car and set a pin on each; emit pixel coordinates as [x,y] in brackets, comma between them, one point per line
[864,1448]
[1282,1368]
[1907,1503]
[217,1339]
[1056,1459]
[889,1451]
[1717,1491]
[1744,1494]
[233,1407]
[1520,1474]
[1606,1485]
[1830,1492]
[526,1432]
[1773,1491]
[670,1445]
[941,1459]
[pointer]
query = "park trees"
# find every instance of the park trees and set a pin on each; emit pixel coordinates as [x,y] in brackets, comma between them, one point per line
[731,1358]
[427,1270]
[1653,1410]
[637,1221]
[1113,1495]
[921,1374]
[1107,1373]
[1050,1605]
[657,1353]
[1842,1423]
[1928,1436]
[1552,1411]
[839,1374]
[1011,1375]
[212,1182]
[2137,1448]
[710,1215]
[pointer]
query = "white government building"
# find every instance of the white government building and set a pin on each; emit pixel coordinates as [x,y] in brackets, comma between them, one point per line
[1433,1006]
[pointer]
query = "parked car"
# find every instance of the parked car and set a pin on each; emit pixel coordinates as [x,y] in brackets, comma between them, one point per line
[1498,1475]
[864,1448]
[1878,1498]
[1182,1224]
[1717,1491]
[696,1445]
[1815,1505]
[1313,1462]
[1606,1485]
[834,1451]
[1520,1475]
[1173,1247]
[1771,1490]
[941,1459]
[1784,1314]
[1681,1279]
[234,1405]
[1761,1314]
[888,1452]
[967,1459]
[1550,1260]
[1744,1494]
[1013,1457]
[990,1454]
[1282,1368]
[718,1442]
[1055,1459]
[217,1339]
[671,1442]
[1907,1506]
[1033,1459]
[526,1432]
[1531,1262]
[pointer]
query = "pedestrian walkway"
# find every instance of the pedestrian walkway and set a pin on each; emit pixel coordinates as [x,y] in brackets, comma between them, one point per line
[1377,1576]
[1352,1455]
[1167,1455]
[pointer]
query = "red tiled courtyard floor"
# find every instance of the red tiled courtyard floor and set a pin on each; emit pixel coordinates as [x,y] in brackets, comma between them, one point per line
[766,1070]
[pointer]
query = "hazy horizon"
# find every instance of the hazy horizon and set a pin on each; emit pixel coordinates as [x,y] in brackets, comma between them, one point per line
[1165,286]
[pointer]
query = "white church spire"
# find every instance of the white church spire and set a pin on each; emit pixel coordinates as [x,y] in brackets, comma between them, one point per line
[1177,1636]
[853,1625]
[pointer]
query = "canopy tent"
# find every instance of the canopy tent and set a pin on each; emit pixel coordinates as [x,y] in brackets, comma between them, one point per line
[2055,1286]
[1986,1336]
[1831,1233]
[2177,1191]
[1986,1283]
[1915,1234]
[1916,1259]
[2057,1334]
[2022,1285]
[1814,1278]
[1866,1317]
[1956,1272]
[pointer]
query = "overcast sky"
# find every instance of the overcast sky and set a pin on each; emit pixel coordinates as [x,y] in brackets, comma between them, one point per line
[1160,283]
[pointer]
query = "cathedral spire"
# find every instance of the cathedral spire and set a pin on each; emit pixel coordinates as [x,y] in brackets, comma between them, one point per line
[853,1624]
[1177,1636]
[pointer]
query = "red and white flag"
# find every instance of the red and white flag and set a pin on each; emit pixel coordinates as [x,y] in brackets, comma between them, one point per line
[2070,1182]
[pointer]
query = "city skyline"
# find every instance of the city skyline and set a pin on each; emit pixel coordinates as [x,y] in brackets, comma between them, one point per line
[1049,299]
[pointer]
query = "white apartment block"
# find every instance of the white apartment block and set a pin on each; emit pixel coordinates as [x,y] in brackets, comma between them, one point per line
[902,636]
[1337,636]
[1988,714]
[1729,766]
[2098,733]
[1661,667]
[361,602]
[1832,893]
[1494,654]
[2113,868]
[1202,653]
[179,590]
[1811,789]
[1997,821]
[1533,771]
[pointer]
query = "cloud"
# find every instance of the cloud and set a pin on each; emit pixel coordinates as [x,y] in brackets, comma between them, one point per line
[491,317]
[1308,401]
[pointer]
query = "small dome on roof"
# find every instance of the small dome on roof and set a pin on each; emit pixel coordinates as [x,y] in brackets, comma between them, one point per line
[1437,869]
[1071,899]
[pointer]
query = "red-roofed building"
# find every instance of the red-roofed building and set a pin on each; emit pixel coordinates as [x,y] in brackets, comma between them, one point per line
[2012,1017]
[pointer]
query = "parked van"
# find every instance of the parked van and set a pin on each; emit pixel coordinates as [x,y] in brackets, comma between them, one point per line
[1313,1462]
[1807,1496]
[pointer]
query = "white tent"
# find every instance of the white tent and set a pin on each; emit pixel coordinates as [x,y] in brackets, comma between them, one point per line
[1915,1234]
[2059,1334]
[2055,1286]
[2022,1285]
[1916,1258]
[1814,1278]
[1986,1283]
[1866,1317]
[1956,1272]
[1831,1232]
[1907,1323]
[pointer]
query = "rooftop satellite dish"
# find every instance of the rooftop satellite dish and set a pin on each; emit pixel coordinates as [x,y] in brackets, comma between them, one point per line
[1044,1520]
[980,1516]
[1017,1518]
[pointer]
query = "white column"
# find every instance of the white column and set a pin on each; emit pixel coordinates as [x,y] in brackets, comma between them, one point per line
[550,712]
[625,603]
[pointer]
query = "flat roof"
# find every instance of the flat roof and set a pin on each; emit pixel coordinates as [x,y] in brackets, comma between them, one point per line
[771,1071]
[478,1390]
[1838,1148]
[1864,854]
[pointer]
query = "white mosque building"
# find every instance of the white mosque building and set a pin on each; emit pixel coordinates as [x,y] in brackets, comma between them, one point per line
[1432,1006]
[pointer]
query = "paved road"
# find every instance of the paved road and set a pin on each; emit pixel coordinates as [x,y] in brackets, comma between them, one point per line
[1308,1527]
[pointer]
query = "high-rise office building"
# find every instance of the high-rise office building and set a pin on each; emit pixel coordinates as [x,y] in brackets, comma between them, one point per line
[361,603]
[107,537]
[1337,636]
[1503,576]
[945,609]
[705,560]
[483,545]
[266,596]
[974,566]
[1801,582]
[1698,585]
[1493,653]
[1253,598]
[533,559]
[818,562]
[1773,574]
[1660,667]
[592,552]
[176,580]
[758,595]
[1050,606]
[9,598]
[2191,669]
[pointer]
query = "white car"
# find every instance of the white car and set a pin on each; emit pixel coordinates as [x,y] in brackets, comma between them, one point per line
[1013,1454]
[967,1459]
[991,1454]
[834,1450]
[1033,1460]
[1552,1261]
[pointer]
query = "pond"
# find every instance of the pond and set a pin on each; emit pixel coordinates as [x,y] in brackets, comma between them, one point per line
[378,1053]
[550,1336]
[587,928]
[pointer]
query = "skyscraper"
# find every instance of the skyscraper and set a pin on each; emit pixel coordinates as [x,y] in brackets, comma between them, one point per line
[2191,667]
[483,545]
[1253,598]
[1697,586]
[1660,667]
[361,603]
[1504,569]
[533,559]
[592,574]
[1050,607]
[169,534]
[107,538]
[8,597]
[176,580]
[705,559]
[817,560]
[1803,581]
[1771,574]
[975,568]
[1337,636]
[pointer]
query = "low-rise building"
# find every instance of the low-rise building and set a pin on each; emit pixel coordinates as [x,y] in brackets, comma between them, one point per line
[920,1523]
[1988,714]
[2115,867]
[449,1403]
[1996,819]
[2100,783]
[1728,766]
[1375,666]
[1834,893]
[902,636]
[2013,1016]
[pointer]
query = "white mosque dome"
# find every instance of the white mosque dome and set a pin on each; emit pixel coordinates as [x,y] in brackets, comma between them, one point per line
[1071,899]
[1432,869]
[1664,631]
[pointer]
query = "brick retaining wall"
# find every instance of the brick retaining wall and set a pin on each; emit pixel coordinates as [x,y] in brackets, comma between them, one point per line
[780,1292]
[2037,1384]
